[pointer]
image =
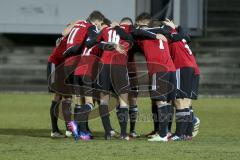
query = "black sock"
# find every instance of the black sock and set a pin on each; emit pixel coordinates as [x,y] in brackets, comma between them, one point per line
[163,117]
[123,119]
[75,112]
[171,114]
[54,111]
[77,115]
[190,123]
[88,129]
[104,113]
[66,109]
[182,120]
[81,116]
[133,111]
[155,117]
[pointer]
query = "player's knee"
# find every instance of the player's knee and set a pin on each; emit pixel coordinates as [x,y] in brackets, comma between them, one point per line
[67,98]
[103,102]
[161,103]
[89,99]
[57,97]
[123,100]
[79,100]
[182,103]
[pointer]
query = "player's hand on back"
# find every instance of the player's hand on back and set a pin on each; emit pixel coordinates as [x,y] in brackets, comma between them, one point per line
[161,37]
[120,49]
[169,23]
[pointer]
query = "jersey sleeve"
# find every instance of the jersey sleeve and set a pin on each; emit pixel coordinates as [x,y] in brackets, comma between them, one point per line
[184,34]
[161,29]
[107,46]
[179,35]
[92,36]
[137,32]
[123,35]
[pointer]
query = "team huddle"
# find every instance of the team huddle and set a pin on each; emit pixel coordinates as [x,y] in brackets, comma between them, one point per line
[94,60]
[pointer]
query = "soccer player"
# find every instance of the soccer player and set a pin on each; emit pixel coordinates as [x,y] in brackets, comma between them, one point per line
[187,74]
[55,59]
[187,124]
[85,76]
[114,77]
[162,78]
[142,34]
[143,20]
[75,44]
[132,72]
[114,62]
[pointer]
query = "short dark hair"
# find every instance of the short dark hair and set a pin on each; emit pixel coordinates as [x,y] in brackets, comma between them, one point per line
[96,16]
[155,23]
[106,22]
[126,19]
[143,16]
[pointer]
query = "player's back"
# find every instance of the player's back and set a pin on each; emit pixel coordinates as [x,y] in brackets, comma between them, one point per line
[77,36]
[182,55]
[88,63]
[78,33]
[157,55]
[109,34]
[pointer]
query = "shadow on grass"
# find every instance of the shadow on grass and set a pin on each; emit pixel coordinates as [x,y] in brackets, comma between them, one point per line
[45,133]
[41,133]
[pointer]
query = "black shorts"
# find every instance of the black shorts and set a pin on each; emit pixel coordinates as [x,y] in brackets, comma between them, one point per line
[187,83]
[163,86]
[83,85]
[69,72]
[113,78]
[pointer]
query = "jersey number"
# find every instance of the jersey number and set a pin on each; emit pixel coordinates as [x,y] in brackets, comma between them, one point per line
[187,46]
[161,46]
[87,51]
[113,37]
[72,35]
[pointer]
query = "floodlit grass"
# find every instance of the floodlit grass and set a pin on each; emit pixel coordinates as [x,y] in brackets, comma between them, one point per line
[25,130]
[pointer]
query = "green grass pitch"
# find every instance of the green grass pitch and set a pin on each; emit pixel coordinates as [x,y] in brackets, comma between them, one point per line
[25,123]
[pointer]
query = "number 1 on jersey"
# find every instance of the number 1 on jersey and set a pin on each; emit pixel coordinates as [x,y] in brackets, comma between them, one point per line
[161,46]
